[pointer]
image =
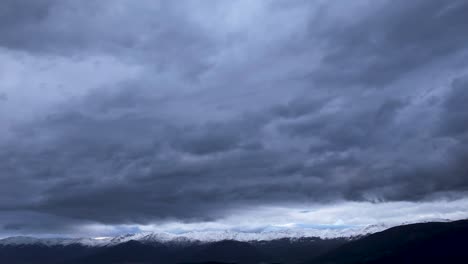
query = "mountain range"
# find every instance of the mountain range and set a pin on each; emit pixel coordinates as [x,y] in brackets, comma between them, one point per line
[432,242]
[200,236]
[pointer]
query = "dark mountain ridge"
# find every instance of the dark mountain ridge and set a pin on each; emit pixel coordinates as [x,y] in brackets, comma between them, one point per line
[415,243]
[227,251]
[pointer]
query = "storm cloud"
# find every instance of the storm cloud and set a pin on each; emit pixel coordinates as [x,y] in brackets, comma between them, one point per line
[138,112]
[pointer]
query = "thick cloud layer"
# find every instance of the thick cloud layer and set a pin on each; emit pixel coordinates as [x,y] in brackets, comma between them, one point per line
[122,112]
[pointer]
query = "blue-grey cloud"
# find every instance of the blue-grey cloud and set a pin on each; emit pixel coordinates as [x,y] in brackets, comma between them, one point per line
[280,103]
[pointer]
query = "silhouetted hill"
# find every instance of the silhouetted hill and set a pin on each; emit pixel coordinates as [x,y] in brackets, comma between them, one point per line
[207,262]
[129,252]
[297,250]
[415,243]
[23,254]
[227,251]
[230,251]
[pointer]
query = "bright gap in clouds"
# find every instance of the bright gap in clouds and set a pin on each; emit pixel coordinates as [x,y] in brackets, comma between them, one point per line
[344,215]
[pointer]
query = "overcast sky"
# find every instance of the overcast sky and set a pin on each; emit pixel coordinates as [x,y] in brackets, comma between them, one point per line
[121,115]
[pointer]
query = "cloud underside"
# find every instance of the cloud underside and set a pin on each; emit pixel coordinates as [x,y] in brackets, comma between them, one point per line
[121,112]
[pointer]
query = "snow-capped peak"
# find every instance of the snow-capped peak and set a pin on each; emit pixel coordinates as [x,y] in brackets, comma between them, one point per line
[197,236]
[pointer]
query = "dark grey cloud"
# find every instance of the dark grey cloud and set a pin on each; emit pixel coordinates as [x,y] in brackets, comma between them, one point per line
[396,39]
[455,117]
[226,112]
[161,35]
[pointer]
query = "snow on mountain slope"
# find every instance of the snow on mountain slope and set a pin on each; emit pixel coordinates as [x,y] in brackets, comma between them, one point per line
[26,240]
[196,236]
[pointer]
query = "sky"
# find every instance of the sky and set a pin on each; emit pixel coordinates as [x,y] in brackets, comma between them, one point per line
[123,116]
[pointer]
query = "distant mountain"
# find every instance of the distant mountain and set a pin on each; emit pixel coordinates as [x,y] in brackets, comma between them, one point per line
[442,242]
[297,250]
[230,251]
[32,254]
[201,236]
[128,252]
[413,243]
[227,251]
